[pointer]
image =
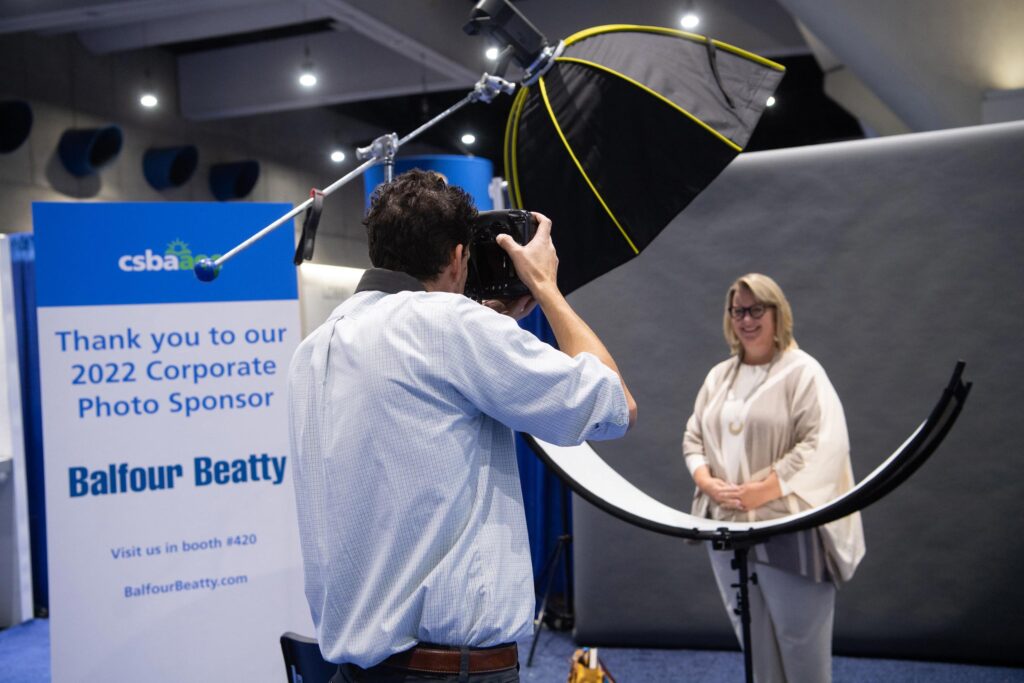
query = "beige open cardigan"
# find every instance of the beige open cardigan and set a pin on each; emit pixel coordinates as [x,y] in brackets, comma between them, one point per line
[794,424]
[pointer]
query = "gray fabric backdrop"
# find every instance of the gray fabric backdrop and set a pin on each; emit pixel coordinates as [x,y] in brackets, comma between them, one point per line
[900,256]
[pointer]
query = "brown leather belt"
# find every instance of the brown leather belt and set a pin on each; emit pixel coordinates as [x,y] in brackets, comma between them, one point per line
[447,660]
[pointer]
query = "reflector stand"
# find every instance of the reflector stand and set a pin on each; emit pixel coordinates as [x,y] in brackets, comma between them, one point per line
[589,476]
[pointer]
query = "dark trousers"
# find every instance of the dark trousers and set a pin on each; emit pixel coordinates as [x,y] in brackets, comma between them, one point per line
[349,673]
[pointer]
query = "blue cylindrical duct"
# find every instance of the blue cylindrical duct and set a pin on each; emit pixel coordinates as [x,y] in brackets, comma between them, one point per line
[15,124]
[166,167]
[472,174]
[84,151]
[233,180]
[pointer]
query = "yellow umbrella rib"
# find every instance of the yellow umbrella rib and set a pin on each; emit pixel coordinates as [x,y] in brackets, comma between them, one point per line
[512,130]
[695,37]
[661,97]
[579,166]
[506,150]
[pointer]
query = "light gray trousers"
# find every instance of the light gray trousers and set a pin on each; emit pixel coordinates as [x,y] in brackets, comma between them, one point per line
[790,621]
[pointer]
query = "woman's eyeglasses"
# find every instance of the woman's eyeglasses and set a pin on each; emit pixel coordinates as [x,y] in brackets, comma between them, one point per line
[755,311]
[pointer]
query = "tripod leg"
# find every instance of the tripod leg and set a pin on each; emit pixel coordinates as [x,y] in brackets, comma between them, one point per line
[570,598]
[549,577]
[743,605]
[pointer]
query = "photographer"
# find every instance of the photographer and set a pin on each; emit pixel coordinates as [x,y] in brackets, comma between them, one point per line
[402,403]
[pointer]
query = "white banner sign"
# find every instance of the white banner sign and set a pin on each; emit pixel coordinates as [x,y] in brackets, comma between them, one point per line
[173,550]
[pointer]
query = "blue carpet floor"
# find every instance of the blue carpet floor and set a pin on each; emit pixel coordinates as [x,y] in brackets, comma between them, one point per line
[25,653]
[25,658]
[551,665]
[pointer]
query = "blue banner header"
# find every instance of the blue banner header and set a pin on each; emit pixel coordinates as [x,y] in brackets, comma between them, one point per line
[143,253]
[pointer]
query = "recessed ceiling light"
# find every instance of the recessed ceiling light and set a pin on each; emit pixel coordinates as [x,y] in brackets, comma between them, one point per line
[771,101]
[148,100]
[468,138]
[689,20]
[307,72]
[492,53]
[337,156]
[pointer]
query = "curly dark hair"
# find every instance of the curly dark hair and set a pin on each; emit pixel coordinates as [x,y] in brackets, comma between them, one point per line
[415,221]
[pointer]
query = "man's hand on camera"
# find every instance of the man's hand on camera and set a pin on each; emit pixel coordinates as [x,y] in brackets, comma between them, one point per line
[536,263]
[514,308]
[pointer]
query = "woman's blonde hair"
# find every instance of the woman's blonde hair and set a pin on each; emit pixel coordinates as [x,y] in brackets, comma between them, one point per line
[765,291]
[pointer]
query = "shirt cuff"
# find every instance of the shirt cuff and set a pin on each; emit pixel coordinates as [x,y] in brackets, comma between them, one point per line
[783,486]
[694,462]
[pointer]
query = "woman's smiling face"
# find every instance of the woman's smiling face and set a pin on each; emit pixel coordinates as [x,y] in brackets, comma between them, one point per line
[757,335]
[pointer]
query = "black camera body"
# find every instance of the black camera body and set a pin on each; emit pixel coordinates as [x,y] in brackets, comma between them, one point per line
[491,273]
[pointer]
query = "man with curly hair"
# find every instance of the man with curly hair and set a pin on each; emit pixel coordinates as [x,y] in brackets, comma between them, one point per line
[402,406]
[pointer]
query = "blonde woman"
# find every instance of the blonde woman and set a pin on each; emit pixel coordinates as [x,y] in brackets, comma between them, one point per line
[767,439]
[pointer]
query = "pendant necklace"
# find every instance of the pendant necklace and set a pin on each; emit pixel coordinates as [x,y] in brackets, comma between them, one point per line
[736,426]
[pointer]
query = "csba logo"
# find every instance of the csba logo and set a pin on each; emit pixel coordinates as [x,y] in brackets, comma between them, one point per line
[177,256]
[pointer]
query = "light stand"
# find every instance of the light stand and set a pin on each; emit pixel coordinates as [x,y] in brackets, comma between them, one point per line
[382,150]
[496,18]
[561,550]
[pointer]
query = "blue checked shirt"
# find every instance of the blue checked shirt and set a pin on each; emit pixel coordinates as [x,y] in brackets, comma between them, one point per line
[409,503]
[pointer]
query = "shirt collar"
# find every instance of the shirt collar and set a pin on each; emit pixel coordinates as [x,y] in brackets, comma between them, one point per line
[388,281]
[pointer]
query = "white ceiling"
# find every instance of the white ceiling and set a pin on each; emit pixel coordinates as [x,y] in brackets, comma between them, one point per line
[897,65]
[934,63]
